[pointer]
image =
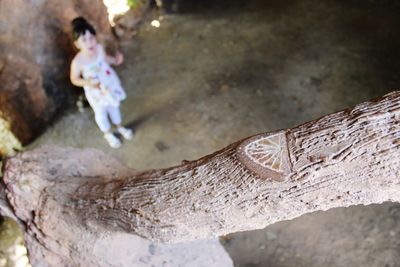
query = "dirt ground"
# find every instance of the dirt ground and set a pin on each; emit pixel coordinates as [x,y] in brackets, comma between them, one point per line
[224,71]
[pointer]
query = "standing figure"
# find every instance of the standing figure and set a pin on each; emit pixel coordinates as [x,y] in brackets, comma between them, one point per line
[91,70]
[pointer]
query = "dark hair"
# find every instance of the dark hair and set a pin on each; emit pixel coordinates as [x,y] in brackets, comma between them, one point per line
[80,26]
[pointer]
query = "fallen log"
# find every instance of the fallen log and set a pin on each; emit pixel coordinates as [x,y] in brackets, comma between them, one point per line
[69,199]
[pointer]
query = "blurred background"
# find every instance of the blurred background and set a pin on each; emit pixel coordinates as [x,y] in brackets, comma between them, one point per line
[200,75]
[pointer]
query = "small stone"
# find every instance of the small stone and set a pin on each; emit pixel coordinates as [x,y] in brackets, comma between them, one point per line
[270,235]
[119,31]
[161,146]
[224,88]
[152,249]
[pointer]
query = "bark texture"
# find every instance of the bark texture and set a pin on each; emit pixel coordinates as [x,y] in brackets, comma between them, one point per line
[69,199]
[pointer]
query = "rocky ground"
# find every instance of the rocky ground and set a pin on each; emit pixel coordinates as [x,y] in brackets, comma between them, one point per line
[218,73]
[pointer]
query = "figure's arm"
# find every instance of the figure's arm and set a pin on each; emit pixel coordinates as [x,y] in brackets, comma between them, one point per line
[116,60]
[76,76]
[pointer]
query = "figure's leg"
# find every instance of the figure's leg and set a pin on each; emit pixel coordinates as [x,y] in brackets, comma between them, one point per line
[100,115]
[115,116]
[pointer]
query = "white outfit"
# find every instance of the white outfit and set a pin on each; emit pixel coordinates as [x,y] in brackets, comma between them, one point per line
[104,101]
[101,114]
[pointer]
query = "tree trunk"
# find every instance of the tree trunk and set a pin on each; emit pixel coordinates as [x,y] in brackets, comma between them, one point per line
[68,199]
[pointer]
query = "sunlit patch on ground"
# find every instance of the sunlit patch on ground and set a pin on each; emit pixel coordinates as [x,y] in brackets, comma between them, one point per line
[115,8]
[8,142]
[12,250]
[156,23]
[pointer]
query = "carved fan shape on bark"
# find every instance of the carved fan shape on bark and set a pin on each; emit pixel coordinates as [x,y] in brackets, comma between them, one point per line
[266,155]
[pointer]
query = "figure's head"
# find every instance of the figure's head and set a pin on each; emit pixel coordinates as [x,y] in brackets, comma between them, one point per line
[84,35]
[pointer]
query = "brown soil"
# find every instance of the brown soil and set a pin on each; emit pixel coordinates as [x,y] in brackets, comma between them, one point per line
[209,77]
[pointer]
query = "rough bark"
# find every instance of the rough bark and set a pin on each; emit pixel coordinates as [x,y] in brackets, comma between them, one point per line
[69,198]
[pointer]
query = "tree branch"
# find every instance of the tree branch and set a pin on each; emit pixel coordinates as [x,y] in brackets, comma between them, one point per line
[346,158]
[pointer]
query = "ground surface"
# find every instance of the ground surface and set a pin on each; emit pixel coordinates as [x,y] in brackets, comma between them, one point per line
[207,78]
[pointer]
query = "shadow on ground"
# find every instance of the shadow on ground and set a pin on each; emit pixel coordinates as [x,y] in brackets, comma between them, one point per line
[208,77]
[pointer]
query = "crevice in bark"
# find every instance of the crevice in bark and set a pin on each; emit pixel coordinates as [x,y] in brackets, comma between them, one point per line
[69,198]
